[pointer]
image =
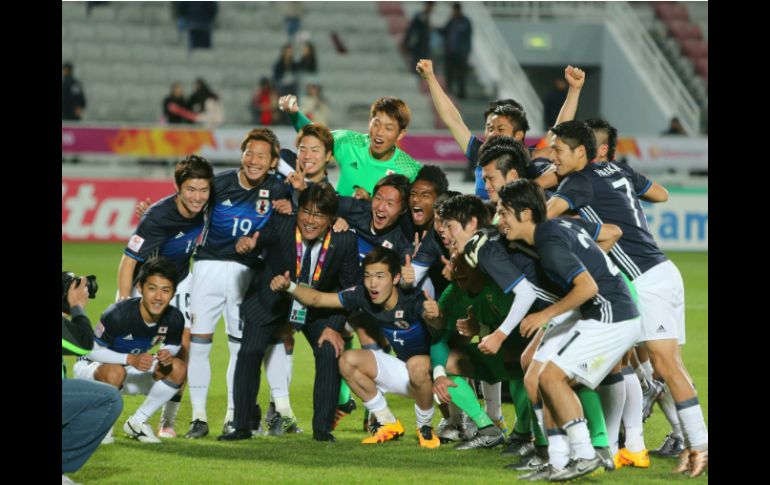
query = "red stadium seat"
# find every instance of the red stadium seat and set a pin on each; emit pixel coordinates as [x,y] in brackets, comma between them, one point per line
[670,11]
[397,24]
[694,49]
[390,8]
[683,30]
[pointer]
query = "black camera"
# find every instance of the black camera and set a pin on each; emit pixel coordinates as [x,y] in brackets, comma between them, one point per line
[66,281]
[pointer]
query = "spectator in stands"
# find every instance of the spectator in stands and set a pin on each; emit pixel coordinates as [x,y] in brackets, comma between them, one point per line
[457,48]
[206,105]
[199,19]
[314,105]
[417,38]
[285,71]
[675,128]
[73,99]
[307,62]
[292,17]
[172,102]
[264,104]
[553,102]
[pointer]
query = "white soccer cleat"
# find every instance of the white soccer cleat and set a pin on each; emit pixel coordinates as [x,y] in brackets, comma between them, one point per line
[140,431]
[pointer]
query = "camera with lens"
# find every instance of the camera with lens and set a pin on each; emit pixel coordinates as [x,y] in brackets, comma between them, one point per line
[66,281]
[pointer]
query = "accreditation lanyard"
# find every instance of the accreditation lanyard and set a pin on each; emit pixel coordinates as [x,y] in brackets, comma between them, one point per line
[321,258]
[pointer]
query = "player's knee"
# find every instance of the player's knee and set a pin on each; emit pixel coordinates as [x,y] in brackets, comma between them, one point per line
[112,374]
[418,368]
[179,370]
[530,381]
[550,376]
[347,364]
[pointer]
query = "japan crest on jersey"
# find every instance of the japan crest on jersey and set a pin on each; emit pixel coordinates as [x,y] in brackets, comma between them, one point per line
[263,205]
[162,330]
[387,244]
[135,243]
[402,324]
[159,339]
[264,193]
[399,313]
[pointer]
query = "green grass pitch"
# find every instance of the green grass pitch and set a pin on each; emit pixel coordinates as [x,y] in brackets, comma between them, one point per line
[299,459]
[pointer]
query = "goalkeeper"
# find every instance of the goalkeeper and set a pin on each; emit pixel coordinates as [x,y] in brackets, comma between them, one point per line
[89,409]
[473,305]
[365,158]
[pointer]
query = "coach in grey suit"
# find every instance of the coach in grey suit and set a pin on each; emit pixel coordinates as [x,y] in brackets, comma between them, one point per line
[304,247]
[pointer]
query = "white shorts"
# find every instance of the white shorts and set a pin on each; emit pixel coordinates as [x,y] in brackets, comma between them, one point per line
[591,349]
[661,303]
[554,334]
[137,382]
[181,298]
[218,288]
[392,375]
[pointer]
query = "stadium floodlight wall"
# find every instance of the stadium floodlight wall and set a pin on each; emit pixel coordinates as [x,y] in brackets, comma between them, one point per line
[103,210]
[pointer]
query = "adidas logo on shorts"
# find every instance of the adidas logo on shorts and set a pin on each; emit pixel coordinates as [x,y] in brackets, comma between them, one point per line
[583,366]
[661,329]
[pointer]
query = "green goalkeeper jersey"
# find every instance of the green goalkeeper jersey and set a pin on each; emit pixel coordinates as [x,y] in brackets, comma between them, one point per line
[490,307]
[357,166]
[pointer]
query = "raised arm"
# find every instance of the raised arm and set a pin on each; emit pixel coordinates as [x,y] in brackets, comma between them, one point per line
[288,104]
[444,106]
[575,78]
[305,295]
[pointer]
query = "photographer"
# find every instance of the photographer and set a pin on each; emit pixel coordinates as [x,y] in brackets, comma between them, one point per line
[88,408]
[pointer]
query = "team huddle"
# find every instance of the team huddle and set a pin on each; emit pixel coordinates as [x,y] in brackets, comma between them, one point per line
[547,279]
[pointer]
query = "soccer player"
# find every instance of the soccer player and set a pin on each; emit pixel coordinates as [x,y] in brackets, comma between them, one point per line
[472,305]
[430,184]
[365,158]
[171,228]
[610,192]
[126,333]
[608,327]
[508,120]
[376,222]
[243,201]
[369,373]
[463,217]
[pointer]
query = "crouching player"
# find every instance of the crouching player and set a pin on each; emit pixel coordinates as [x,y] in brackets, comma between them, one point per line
[370,373]
[126,333]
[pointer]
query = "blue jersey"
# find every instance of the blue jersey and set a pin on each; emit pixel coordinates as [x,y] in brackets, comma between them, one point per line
[123,330]
[358,213]
[525,257]
[565,251]
[237,212]
[163,231]
[496,262]
[535,167]
[402,326]
[609,192]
